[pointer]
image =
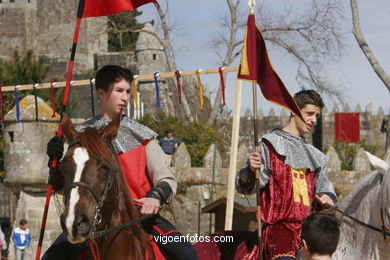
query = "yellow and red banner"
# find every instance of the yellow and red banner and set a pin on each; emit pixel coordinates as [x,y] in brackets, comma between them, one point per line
[256,67]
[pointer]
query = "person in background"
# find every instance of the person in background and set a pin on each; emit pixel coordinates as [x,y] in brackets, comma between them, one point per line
[320,236]
[169,143]
[3,243]
[21,239]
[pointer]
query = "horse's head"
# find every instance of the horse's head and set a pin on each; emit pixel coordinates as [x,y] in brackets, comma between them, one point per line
[89,167]
[384,193]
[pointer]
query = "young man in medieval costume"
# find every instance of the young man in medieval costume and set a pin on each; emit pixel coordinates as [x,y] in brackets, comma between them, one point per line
[149,179]
[292,174]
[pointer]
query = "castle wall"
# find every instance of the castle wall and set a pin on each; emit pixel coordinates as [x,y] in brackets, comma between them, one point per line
[47,28]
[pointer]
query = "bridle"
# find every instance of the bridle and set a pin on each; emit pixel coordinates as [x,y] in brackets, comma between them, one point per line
[100,200]
[381,229]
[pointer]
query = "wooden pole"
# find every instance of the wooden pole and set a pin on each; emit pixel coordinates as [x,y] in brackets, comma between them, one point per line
[233,156]
[144,77]
[257,148]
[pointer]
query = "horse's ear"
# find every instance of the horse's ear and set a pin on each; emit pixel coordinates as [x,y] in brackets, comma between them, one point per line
[111,130]
[67,128]
[378,164]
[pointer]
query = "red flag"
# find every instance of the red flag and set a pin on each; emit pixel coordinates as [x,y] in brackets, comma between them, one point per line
[256,67]
[347,127]
[94,8]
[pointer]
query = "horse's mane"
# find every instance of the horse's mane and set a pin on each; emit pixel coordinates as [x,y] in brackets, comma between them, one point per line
[93,141]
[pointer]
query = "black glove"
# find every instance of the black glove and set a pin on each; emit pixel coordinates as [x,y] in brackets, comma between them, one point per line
[161,191]
[55,148]
[56,178]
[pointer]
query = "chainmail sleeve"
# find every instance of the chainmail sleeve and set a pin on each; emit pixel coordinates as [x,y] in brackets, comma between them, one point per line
[245,178]
[324,185]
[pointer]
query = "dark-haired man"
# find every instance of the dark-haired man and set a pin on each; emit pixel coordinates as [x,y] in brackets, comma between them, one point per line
[320,236]
[292,172]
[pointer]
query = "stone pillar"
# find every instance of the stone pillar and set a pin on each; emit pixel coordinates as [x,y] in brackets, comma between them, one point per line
[361,162]
[181,158]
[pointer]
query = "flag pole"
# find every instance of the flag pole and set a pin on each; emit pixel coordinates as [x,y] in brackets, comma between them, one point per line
[257,148]
[53,166]
[233,156]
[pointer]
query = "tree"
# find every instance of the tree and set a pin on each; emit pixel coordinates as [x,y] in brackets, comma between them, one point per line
[357,32]
[123,31]
[311,37]
[197,136]
[21,70]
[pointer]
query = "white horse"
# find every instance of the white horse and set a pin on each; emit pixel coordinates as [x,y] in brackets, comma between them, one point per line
[365,202]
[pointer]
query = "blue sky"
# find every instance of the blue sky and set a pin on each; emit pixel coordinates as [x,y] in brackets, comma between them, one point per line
[196,23]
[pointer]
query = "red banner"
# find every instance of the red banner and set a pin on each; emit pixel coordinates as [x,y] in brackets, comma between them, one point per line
[256,67]
[347,127]
[94,8]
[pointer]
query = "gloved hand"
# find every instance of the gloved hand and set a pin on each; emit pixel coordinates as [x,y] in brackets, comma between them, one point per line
[55,148]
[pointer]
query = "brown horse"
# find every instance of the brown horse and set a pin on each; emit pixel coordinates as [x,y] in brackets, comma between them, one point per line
[96,197]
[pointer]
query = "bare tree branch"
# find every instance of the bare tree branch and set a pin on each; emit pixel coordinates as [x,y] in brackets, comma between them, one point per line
[168,51]
[357,32]
[312,38]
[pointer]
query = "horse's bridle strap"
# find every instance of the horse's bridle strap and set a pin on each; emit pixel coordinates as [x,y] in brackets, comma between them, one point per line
[384,232]
[97,234]
[85,186]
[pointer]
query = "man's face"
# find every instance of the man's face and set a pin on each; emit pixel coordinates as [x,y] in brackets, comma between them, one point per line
[115,100]
[310,113]
[170,134]
[23,227]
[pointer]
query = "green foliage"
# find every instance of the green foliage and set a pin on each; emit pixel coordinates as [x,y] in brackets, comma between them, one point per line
[197,136]
[21,70]
[121,27]
[347,152]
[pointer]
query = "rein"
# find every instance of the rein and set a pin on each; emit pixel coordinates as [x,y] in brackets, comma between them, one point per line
[97,234]
[381,230]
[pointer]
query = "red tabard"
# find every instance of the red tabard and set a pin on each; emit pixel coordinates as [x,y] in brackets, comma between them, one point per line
[133,164]
[285,202]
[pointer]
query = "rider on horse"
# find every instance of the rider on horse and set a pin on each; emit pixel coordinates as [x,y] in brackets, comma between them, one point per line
[292,174]
[145,170]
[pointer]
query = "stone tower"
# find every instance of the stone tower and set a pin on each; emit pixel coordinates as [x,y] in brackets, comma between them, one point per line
[47,28]
[150,59]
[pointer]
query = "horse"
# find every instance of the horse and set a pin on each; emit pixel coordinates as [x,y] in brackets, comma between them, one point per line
[368,203]
[97,202]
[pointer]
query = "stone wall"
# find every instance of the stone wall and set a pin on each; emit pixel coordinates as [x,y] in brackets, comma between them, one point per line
[370,125]
[47,28]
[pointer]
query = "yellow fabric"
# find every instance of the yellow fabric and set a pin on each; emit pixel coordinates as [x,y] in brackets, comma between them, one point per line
[244,58]
[200,89]
[134,86]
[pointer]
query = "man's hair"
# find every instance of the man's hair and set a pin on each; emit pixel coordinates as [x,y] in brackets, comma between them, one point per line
[321,233]
[111,74]
[306,97]
[168,131]
[22,222]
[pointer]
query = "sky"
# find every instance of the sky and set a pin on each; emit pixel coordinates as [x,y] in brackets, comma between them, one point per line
[195,24]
